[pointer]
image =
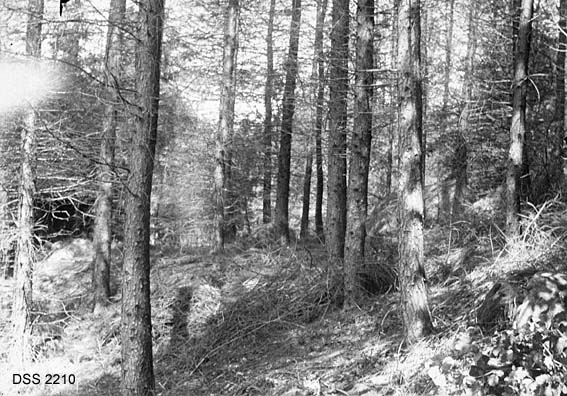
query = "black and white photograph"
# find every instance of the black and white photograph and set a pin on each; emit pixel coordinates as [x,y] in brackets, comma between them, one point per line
[283,198]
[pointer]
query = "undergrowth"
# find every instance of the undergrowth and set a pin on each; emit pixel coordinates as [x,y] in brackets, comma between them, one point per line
[268,320]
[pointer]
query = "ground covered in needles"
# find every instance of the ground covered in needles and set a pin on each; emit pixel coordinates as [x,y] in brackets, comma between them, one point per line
[262,319]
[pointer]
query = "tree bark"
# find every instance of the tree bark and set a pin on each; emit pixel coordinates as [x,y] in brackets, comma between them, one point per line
[391,159]
[21,351]
[304,230]
[444,205]
[338,87]
[411,272]
[268,95]
[516,154]
[423,87]
[556,176]
[319,230]
[448,56]
[360,147]
[226,123]
[288,109]
[103,207]
[136,326]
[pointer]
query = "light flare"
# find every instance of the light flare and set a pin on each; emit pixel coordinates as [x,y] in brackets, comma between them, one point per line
[26,83]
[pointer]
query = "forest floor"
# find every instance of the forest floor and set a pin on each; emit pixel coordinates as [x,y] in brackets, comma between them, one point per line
[269,321]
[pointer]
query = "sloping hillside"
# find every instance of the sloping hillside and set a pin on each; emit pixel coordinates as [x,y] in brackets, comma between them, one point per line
[269,322]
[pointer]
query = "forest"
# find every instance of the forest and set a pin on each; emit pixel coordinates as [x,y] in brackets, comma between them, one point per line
[283,197]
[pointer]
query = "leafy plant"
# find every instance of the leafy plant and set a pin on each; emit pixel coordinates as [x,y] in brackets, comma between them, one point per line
[527,361]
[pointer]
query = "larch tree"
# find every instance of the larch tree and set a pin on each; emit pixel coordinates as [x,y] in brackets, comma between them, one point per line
[306,202]
[268,118]
[443,206]
[424,40]
[319,125]
[411,272]
[103,207]
[460,156]
[21,351]
[317,96]
[516,155]
[556,176]
[360,146]
[448,55]
[338,92]
[136,325]
[226,122]
[391,163]
[288,108]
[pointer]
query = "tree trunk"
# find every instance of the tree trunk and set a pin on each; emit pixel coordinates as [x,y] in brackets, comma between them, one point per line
[423,87]
[338,87]
[392,163]
[360,146]
[226,123]
[319,230]
[136,326]
[317,96]
[103,221]
[268,94]
[516,155]
[288,108]
[21,351]
[556,177]
[460,159]
[8,230]
[411,272]
[304,230]
[448,55]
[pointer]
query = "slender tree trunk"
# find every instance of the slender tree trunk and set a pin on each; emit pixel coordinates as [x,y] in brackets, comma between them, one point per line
[390,158]
[556,177]
[460,159]
[5,237]
[392,164]
[136,326]
[288,108]
[7,225]
[21,351]
[317,96]
[443,206]
[103,221]
[423,88]
[226,123]
[414,301]
[516,155]
[338,87]
[361,146]
[268,95]
[319,230]
[448,56]
[563,110]
[304,230]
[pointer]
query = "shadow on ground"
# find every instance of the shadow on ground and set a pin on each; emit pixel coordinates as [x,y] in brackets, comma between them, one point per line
[267,335]
[105,385]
